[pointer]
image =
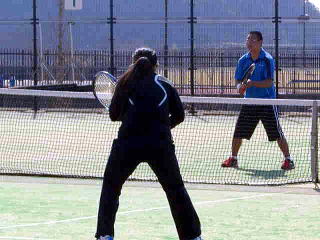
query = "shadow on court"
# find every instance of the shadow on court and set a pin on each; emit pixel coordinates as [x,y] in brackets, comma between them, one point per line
[265,174]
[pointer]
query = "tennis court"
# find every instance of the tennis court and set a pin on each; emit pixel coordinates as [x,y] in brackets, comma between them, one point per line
[54,145]
[46,209]
[70,143]
[63,139]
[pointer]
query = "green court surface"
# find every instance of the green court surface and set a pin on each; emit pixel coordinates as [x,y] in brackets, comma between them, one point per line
[41,210]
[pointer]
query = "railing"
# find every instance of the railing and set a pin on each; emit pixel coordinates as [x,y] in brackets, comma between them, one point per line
[213,73]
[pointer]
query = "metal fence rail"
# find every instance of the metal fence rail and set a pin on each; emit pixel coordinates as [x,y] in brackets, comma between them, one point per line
[198,41]
[213,68]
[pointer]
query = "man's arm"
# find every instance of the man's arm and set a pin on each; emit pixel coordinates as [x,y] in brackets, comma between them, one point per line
[237,76]
[261,84]
[267,82]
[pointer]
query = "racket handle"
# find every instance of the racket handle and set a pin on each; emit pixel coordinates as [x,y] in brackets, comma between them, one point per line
[242,89]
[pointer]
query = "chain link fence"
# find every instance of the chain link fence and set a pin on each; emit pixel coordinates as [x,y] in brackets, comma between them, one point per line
[198,41]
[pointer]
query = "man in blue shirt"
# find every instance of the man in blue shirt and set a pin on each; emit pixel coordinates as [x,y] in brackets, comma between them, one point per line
[260,85]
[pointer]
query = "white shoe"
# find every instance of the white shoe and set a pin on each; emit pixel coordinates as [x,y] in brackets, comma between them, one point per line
[197,238]
[107,237]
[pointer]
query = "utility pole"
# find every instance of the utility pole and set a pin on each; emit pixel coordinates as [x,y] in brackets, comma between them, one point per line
[35,21]
[304,17]
[304,33]
[111,21]
[166,38]
[192,65]
[60,41]
[276,22]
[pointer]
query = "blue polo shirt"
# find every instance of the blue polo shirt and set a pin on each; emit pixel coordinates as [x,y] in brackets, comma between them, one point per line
[264,70]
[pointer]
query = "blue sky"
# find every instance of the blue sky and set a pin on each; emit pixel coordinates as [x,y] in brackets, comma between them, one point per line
[315,2]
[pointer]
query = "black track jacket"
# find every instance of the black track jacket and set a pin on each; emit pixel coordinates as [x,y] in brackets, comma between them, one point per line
[149,112]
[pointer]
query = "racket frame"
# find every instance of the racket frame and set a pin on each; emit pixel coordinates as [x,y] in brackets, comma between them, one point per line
[248,73]
[110,77]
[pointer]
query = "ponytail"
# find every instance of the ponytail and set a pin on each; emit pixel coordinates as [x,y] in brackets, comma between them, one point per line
[137,71]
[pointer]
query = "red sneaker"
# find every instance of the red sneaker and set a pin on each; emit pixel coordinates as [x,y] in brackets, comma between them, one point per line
[230,162]
[287,164]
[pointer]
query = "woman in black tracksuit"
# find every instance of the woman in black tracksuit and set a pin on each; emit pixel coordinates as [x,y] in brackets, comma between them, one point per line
[148,107]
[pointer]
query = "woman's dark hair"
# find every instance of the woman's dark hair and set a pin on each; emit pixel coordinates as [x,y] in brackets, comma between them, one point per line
[145,52]
[144,61]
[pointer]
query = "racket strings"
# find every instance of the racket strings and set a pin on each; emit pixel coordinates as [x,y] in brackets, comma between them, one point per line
[104,88]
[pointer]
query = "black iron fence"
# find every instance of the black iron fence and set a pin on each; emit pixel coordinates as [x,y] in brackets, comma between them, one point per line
[213,68]
[198,42]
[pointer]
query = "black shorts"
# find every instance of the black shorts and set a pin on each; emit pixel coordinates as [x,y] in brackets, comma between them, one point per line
[249,118]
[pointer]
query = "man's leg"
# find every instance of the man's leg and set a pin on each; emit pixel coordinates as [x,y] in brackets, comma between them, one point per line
[287,163]
[245,126]
[236,144]
[232,161]
[283,145]
[270,120]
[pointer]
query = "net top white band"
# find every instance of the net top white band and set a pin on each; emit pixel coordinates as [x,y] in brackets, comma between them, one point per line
[184,99]
[249,101]
[46,93]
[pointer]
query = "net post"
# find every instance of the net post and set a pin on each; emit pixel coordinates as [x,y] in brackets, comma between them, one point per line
[314,144]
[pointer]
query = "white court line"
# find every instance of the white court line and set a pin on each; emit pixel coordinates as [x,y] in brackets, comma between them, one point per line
[22,238]
[138,210]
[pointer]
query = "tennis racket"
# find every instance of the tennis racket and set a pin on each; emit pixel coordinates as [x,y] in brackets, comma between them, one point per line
[104,85]
[245,78]
[248,73]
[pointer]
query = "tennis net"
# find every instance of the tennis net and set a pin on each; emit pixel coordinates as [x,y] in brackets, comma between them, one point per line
[69,134]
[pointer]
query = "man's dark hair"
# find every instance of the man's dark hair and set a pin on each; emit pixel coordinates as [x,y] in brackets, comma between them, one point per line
[258,34]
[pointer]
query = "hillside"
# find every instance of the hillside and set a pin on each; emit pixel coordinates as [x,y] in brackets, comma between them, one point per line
[90,36]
